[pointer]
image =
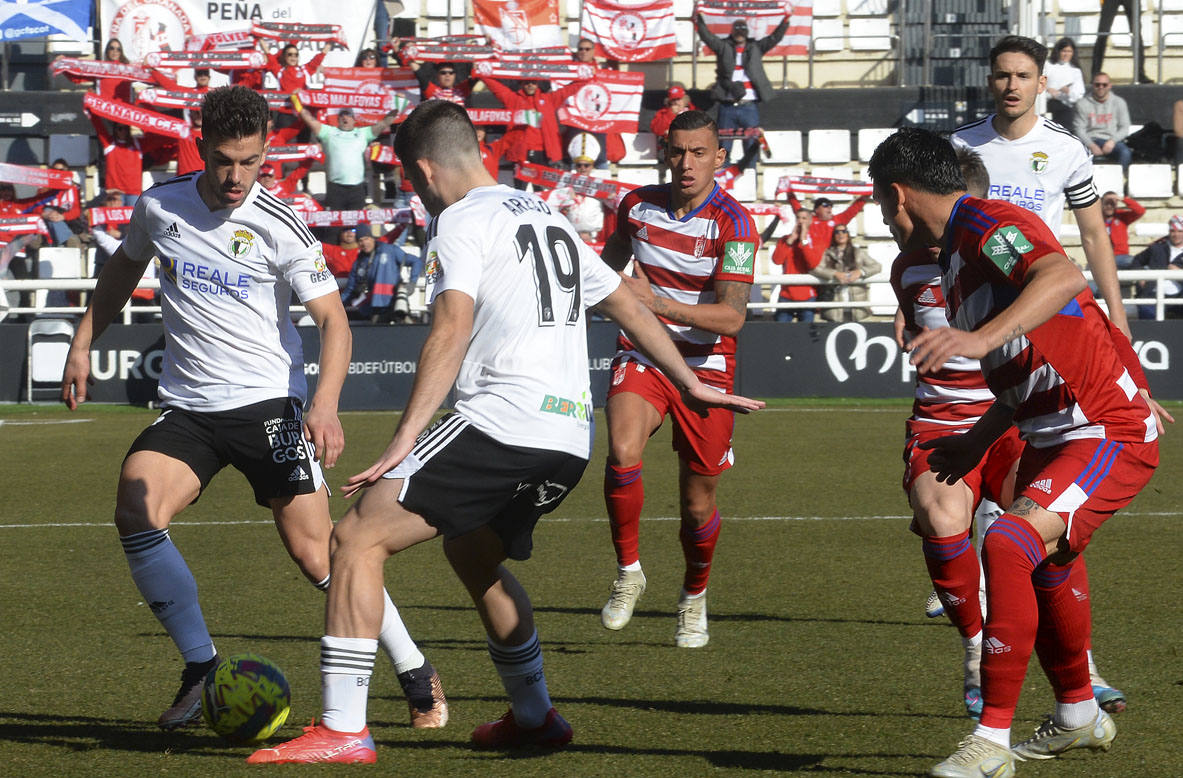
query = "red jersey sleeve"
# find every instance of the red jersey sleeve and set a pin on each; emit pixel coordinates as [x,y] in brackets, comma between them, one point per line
[1015,240]
[738,242]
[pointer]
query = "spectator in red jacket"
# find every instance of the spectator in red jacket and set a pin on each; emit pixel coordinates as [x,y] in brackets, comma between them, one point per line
[821,226]
[1117,223]
[533,135]
[115,88]
[201,80]
[676,102]
[188,157]
[340,258]
[796,253]
[490,155]
[287,68]
[123,157]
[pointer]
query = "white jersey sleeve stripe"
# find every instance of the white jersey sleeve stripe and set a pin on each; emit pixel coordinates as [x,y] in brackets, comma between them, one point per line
[281,211]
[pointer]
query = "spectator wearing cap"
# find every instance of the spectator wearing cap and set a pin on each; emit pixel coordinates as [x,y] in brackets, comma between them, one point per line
[821,226]
[586,212]
[533,134]
[283,187]
[740,82]
[345,156]
[375,284]
[1164,254]
[676,102]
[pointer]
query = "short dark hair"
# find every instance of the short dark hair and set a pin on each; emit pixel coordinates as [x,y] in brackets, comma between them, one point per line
[230,112]
[973,170]
[695,120]
[200,72]
[1021,45]
[440,131]
[917,158]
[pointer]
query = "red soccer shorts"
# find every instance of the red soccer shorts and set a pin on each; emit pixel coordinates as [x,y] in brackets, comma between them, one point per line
[702,442]
[985,480]
[1085,481]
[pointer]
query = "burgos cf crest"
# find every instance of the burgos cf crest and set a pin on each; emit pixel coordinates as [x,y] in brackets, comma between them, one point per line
[1039,162]
[241,244]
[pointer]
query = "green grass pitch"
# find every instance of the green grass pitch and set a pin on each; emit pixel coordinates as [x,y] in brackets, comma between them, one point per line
[821,661]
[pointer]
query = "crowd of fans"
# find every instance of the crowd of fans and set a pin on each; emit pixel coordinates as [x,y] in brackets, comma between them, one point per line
[818,243]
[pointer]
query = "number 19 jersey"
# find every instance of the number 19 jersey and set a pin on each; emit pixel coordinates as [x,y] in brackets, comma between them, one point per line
[524,379]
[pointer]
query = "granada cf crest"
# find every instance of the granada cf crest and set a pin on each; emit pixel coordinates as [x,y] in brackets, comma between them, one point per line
[700,246]
[1039,162]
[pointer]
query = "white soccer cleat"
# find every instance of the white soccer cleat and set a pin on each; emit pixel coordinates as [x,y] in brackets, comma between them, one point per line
[626,590]
[977,757]
[933,606]
[1051,740]
[692,622]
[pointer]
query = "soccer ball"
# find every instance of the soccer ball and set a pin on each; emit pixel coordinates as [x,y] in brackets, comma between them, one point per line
[245,699]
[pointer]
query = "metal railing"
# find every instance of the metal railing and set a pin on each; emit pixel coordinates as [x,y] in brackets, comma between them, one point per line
[765,283]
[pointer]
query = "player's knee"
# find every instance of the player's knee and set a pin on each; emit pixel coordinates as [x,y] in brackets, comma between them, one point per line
[311,558]
[132,516]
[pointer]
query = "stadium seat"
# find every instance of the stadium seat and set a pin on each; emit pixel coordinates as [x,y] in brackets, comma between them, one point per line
[1108,178]
[1172,28]
[771,178]
[1078,7]
[316,183]
[826,8]
[56,262]
[744,187]
[639,176]
[1151,181]
[785,146]
[639,148]
[1151,230]
[878,27]
[684,36]
[869,140]
[867,7]
[829,146]
[881,296]
[47,344]
[828,35]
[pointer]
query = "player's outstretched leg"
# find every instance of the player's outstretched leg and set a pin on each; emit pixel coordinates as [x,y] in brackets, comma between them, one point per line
[1111,699]
[624,494]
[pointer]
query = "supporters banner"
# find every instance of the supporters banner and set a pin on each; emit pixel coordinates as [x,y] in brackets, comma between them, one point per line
[291,31]
[145,26]
[398,84]
[302,204]
[296,152]
[811,185]
[221,41]
[525,66]
[628,32]
[33,19]
[99,216]
[148,121]
[170,98]
[80,70]
[490,115]
[367,107]
[22,225]
[762,16]
[218,60]
[550,178]
[514,25]
[609,103]
[453,48]
[354,218]
[277,100]
[36,176]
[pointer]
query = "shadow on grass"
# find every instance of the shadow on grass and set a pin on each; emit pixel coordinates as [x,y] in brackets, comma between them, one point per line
[87,733]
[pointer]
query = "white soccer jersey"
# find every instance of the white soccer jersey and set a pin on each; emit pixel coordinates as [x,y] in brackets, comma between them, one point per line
[226,279]
[1040,171]
[524,380]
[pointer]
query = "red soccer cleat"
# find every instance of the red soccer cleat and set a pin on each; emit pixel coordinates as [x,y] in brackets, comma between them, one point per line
[320,744]
[555,732]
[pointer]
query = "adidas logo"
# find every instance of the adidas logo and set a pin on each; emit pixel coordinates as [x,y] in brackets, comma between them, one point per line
[172,231]
[995,646]
[1079,595]
[643,233]
[927,297]
[952,600]
[299,474]
[1043,484]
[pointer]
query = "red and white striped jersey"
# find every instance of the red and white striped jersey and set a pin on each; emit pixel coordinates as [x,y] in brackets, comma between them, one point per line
[1075,375]
[683,259]
[956,395]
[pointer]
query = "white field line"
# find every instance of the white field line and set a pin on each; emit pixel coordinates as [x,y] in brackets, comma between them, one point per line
[38,423]
[556,520]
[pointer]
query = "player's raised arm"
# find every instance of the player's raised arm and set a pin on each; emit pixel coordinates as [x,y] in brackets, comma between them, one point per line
[116,282]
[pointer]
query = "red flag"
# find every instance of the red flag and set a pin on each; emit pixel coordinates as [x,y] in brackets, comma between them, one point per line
[292,31]
[524,24]
[628,32]
[36,176]
[109,215]
[609,103]
[171,98]
[814,186]
[762,17]
[218,60]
